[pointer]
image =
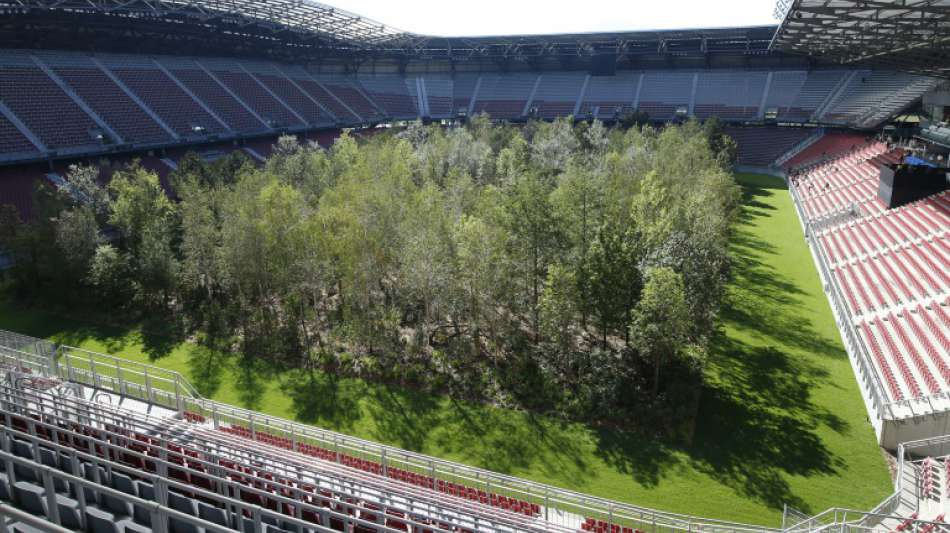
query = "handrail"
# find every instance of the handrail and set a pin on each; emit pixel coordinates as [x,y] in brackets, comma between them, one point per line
[71,364]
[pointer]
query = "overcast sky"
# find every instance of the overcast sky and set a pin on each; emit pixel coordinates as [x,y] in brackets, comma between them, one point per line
[501,17]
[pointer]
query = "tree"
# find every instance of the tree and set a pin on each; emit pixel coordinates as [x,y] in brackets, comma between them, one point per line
[661,321]
[82,186]
[77,236]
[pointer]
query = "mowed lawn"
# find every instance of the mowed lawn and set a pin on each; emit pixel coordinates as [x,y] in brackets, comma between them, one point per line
[781,419]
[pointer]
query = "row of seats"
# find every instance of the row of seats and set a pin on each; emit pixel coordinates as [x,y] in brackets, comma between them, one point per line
[919,221]
[603,526]
[275,479]
[892,268]
[454,489]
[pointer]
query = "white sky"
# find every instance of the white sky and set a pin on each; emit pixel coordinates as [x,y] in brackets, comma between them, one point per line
[505,17]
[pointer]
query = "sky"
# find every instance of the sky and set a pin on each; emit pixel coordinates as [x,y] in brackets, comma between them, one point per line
[506,17]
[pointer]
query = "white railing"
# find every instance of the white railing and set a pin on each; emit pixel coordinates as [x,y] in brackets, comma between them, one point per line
[171,390]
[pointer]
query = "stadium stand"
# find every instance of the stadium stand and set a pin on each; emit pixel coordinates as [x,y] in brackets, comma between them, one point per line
[730,95]
[329,102]
[102,444]
[275,112]
[891,267]
[163,95]
[289,92]
[813,93]
[233,112]
[609,96]
[557,94]
[831,145]
[392,95]
[348,92]
[464,89]
[106,98]
[761,146]
[870,94]
[783,88]
[664,93]
[44,107]
[439,91]
[505,96]
[13,144]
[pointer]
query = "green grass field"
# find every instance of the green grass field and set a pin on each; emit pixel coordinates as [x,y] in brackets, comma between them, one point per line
[781,419]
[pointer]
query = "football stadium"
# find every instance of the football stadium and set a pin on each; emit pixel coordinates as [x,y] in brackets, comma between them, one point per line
[273,266]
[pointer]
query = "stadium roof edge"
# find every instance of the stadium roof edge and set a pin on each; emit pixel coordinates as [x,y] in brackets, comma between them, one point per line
[912,35]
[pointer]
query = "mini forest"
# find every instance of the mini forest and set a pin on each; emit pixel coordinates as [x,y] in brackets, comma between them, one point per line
[562,268]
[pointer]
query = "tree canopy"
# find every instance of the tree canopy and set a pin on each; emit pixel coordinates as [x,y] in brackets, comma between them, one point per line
[560,267]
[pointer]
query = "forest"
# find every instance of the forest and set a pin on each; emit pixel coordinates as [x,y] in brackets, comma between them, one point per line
[563,268]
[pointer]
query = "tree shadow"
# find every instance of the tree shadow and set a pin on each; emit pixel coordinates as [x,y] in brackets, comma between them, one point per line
[509,442]
[160,336]
[403,417]
[757,423]
[250,380]
[206,368]
[324,399]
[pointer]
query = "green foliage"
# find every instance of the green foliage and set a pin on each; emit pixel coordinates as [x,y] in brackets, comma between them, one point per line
[501,264]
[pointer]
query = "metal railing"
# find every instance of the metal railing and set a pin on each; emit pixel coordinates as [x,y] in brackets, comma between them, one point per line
[169,389]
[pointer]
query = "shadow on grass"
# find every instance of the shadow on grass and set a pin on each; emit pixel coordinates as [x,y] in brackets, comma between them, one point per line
[324,400]
[206,368]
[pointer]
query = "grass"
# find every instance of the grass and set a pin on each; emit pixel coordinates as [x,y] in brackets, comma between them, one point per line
[781,418]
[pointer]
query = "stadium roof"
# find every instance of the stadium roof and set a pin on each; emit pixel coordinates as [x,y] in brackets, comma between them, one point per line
[305,18]
[305,28]
[911,35]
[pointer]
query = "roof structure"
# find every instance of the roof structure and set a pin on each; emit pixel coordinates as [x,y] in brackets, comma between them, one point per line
[912,35]
[304,18]
[312,30]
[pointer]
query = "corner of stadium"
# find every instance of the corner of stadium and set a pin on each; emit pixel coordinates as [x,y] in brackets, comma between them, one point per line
[826,401]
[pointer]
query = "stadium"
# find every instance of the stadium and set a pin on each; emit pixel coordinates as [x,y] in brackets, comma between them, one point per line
[820,398]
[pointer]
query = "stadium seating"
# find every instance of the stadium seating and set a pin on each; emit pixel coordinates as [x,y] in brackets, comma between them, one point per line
[730,94]
[663,93]
[392,95]
[557,94]
[348,92]
[203,86]
[814,92]
[44,108]
[464,87]
[784,88]
[320,94]
[439,92]
[274,112]
[505,96]
[761,146]
[892,267]
[165,97]
[13,144]
[608,96]
[106,98]
[875,94]
[227,476]
[290,93]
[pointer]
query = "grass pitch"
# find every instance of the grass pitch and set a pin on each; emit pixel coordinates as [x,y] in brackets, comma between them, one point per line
[781,420]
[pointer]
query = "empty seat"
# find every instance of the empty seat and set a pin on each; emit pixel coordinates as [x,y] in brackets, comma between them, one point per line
[185,505]
[123,483]
[30,497]
[212,514]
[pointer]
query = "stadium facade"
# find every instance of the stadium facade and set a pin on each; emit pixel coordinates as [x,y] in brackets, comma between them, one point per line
[97,443]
